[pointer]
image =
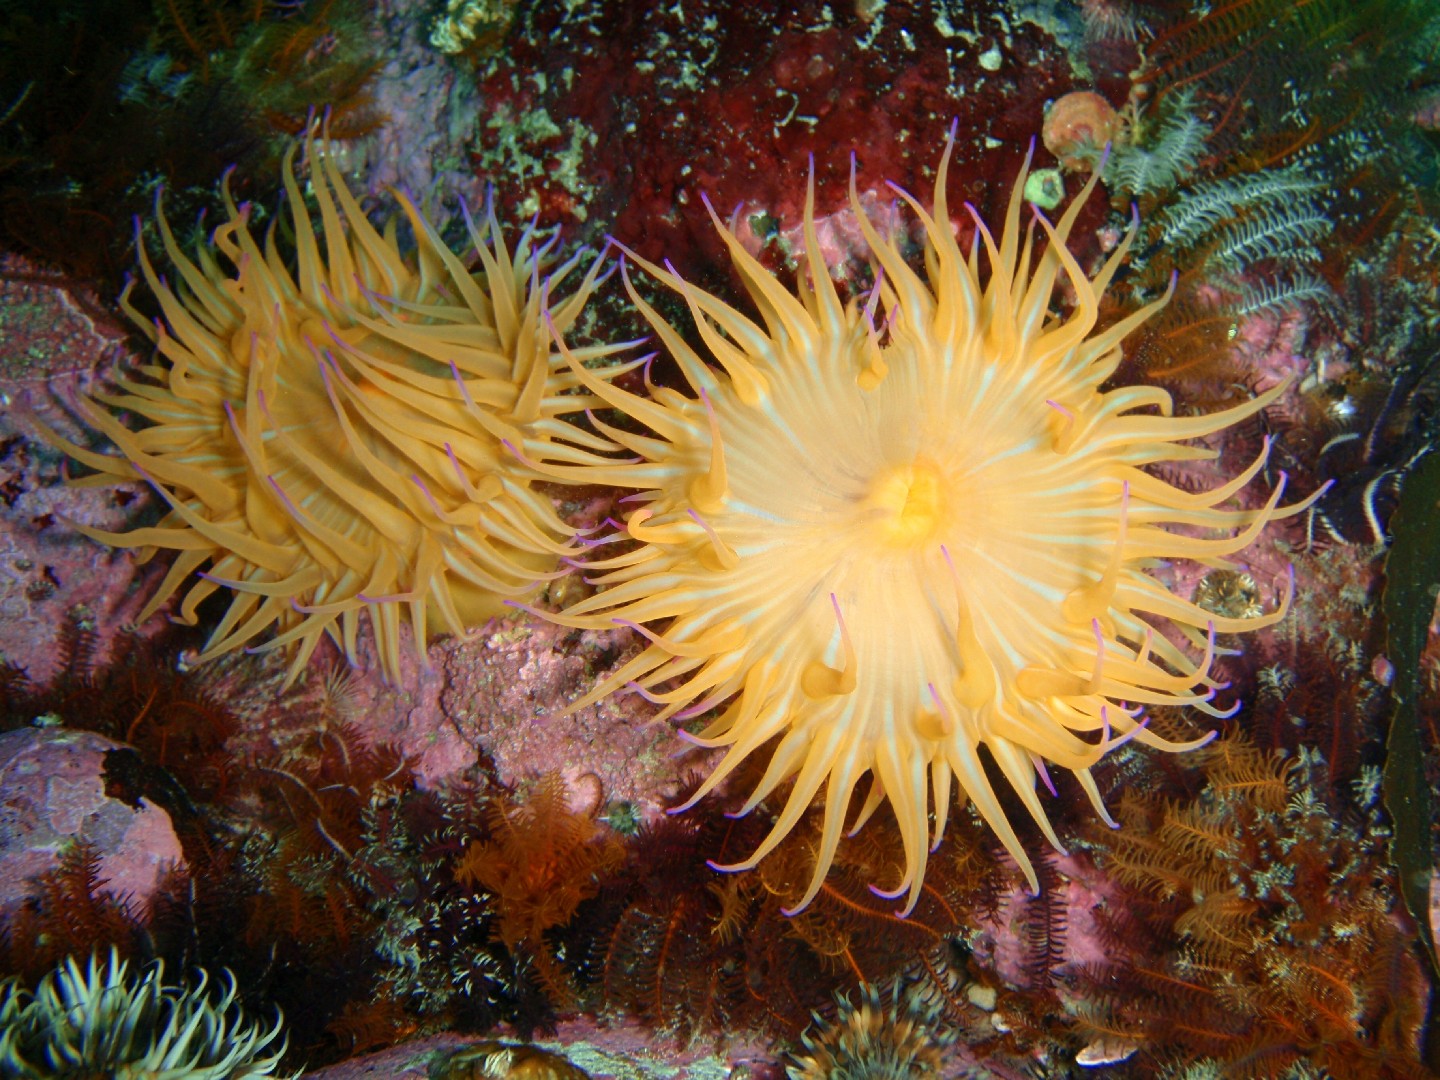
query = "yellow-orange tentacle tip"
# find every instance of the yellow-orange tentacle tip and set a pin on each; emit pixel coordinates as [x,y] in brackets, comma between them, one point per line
[332,432]
[888,532]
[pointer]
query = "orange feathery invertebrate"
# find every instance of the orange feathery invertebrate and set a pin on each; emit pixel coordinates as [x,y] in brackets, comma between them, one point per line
[886,544]
[330,439]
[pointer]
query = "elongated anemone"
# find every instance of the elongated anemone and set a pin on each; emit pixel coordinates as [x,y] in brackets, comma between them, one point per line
[330,440]
[884,534]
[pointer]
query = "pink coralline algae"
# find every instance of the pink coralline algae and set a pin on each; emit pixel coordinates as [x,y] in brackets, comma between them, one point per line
[508,695]
[52,795]
[49,572]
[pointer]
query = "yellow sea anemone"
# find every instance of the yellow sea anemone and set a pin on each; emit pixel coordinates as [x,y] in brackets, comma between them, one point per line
[893,531]
[330,439]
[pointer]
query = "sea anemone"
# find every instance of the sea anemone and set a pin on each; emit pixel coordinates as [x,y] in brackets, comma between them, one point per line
[868,1041]
[1109,20]
[893,531]
[101,1021]
[330,439]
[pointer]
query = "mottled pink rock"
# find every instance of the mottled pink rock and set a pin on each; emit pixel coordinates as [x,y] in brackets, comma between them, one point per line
[499,696]
[408,715]
[1268,344]
[405,715]
[54,347]
[1086,890]
[507,694]
[52,794]
[429,103]
[843,246]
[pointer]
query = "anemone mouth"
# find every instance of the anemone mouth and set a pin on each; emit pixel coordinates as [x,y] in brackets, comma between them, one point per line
[907,505]
[874,546]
